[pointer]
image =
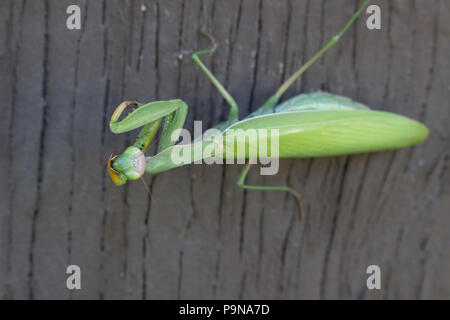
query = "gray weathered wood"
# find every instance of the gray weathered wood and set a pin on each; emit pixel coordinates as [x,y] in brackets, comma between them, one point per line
[203,237]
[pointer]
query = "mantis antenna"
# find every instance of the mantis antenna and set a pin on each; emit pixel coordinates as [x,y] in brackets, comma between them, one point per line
[148,190]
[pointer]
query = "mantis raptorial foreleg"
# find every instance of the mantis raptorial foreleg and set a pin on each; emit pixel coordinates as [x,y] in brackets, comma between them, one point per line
[150,115]
[241,184]
[131,163]
[233,115]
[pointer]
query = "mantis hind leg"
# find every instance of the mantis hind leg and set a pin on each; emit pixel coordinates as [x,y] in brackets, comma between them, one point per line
[273,100]
[233,115]
[241,184]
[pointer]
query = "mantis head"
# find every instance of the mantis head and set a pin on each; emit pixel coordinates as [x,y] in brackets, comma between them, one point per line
[128,165]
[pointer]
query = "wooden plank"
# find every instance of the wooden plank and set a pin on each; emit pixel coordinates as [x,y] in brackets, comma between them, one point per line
[28,124]
[88,202]
[7,45]
[52,241]
[202,237]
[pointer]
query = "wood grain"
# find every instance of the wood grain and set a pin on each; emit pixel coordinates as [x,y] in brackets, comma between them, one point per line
[203,237]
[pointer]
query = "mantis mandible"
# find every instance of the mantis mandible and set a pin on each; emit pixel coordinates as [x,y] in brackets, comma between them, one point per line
[309,125]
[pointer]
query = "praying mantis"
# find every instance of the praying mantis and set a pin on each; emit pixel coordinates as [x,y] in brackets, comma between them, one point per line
[309,125]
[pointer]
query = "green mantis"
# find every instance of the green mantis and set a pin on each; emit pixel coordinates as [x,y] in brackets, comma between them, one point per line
[307,125]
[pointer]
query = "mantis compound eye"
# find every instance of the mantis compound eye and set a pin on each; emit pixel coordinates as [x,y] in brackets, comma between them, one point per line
[117,177]
[130,163]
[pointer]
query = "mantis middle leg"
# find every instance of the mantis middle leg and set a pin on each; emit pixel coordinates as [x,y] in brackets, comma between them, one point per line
[233,115]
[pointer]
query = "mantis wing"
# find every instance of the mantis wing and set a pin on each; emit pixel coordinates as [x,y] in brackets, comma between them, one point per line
[319,101]
[331,133]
